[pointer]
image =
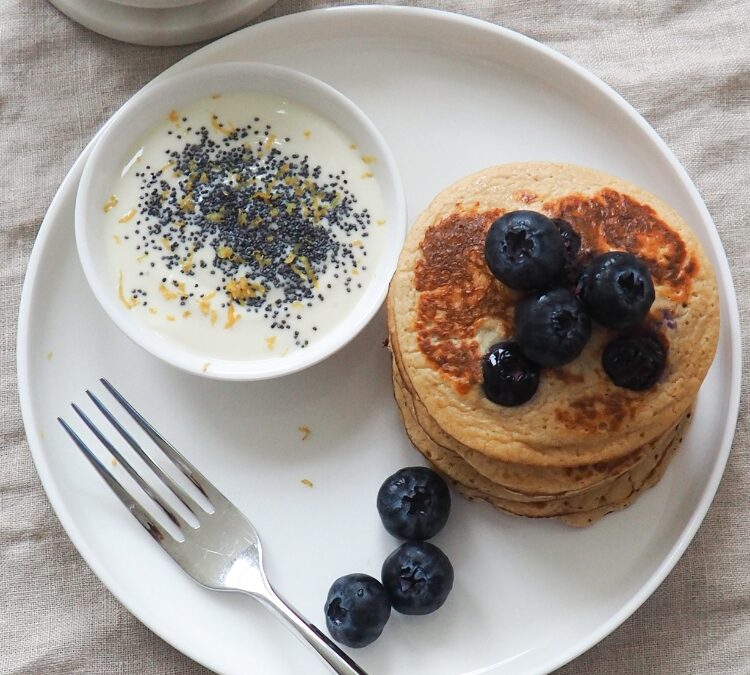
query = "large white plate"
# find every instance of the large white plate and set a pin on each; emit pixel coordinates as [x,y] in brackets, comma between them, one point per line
[451,95]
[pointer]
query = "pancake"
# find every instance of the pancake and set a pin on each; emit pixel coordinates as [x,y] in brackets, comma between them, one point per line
[579,510]
[522,482]
[447,309]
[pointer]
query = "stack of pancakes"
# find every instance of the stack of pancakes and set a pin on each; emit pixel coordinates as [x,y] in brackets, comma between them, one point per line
[581,447]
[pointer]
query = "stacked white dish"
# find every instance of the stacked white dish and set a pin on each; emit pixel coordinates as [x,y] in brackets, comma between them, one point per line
[162,22]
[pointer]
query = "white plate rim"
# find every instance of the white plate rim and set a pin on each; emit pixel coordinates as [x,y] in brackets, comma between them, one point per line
[732,322]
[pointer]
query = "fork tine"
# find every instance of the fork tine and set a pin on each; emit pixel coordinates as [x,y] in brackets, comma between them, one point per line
[177,519]
[141,515]
[191,473]
[183,496]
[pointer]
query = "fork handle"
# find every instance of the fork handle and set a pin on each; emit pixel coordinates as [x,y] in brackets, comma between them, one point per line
[339,662]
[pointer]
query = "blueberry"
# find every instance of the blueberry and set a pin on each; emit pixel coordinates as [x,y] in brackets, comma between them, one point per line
[414,503]
[572,244]
[509,378]
[524,250]
[417,577]
[617,289]
[635,361]
[357,609]
[552,327]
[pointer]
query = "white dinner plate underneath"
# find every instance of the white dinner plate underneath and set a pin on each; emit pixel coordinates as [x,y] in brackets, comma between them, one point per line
[451,95]
[168,26]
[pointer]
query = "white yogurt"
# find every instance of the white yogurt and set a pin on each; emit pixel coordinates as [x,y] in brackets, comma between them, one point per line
[221,243]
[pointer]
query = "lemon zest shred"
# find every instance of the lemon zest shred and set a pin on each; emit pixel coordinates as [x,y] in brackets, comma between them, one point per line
[262,260]
[186,203]
[168,295]
[241,290]
[227,130]
[271,342]
[128,216]
[188,263]
[300,273]
[110,204]
[129,304]
[309,270]
[232,317]
[204,304]
[268,143]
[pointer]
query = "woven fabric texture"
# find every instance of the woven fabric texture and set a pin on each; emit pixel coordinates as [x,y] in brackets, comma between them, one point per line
[684,64]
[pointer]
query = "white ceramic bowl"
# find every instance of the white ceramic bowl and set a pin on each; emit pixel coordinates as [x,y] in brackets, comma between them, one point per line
[124,135]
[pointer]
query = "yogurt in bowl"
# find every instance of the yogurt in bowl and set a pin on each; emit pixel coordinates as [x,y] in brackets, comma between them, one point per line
[240,221]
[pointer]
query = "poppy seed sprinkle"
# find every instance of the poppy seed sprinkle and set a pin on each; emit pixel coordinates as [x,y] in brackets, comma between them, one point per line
[249,223]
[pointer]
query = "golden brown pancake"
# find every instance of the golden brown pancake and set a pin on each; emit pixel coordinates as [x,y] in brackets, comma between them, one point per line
[447,309]
[578,510]
[522,482]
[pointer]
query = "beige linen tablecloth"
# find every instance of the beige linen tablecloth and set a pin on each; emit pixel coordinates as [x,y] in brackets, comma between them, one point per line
[684,64]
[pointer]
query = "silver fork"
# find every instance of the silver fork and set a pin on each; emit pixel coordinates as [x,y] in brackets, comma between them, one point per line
[223,552]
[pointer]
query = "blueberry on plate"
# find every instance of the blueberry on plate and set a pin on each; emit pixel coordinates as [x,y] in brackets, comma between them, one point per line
[508,377]
[417,577]
[552,327]
[635,361]
[357,610]
[414,503]
[524,250]
[617,289]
